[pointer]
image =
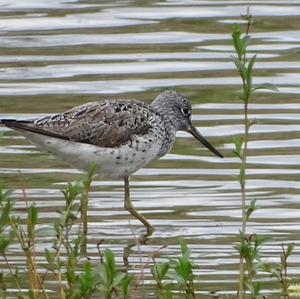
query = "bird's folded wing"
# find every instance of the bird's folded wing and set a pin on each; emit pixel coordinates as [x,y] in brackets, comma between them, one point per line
[106,124]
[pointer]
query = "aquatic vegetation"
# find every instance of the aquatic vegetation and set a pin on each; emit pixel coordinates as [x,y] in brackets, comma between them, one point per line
[280,271]
[75,276]
[249,245]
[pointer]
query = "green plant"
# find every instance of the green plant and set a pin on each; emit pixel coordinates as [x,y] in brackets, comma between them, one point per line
[84,202]
[66,262]
[160,274]
[65,268]
[244,66]
[182,272]
[6,204]
[86,283]
[110,279]
[126,282]
[26,238]
[249,249]
[280,270]
[7,236]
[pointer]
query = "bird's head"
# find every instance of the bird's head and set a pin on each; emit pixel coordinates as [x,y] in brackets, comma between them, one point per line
[178,109]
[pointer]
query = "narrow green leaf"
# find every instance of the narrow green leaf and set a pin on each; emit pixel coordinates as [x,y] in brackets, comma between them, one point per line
[110,261]
[117,279]
[236,35]
[260,240]
[4,218]
[175,276]
[244,43]
[267,267]
[102,272]
[4,243]
[250,67]
[249,77]
[184,249]
[290,249]
[125,285]
[159,270]
[251,209]
[5,195]
[254,288]
[33,215]
[257,288]
[49,256]
[164,269]
[266,86]
[184,268]
[87,283]
[238,143]
[57,228]
[240,67]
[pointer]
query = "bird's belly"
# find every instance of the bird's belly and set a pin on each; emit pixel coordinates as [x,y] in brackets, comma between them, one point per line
[115,162]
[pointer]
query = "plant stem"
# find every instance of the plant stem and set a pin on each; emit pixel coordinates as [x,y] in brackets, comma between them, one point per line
[84,220]
[27,244]
[59,274]
[243,166]
[30,266]
[285,283]
[13,275]
[84,202]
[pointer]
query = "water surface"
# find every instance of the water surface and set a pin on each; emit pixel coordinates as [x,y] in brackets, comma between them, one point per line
[57,54]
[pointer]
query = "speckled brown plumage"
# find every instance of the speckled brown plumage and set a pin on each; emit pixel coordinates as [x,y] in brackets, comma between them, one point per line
[108,123]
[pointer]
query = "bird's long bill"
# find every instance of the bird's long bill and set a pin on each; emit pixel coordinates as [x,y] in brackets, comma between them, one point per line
[199,137]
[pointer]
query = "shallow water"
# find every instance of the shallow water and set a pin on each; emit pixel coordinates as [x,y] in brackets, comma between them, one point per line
[57,54]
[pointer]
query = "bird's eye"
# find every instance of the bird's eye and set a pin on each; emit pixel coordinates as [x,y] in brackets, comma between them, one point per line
[185,111]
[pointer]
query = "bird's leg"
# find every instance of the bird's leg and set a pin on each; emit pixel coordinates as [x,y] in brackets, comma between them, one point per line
[129,207]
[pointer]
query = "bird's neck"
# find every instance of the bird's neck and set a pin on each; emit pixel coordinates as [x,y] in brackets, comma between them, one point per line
[169,131]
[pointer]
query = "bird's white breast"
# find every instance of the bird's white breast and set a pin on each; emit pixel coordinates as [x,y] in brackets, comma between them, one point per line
[115,162]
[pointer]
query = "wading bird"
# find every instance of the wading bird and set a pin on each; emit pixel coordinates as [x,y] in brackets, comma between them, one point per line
[118,136]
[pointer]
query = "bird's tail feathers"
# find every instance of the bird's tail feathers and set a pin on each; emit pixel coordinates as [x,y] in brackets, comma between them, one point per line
[13,123]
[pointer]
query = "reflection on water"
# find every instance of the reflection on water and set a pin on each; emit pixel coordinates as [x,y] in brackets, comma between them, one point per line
[57,54]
